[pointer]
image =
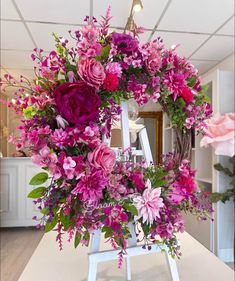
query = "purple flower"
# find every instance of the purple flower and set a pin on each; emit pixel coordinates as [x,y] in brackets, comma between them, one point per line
[125,43]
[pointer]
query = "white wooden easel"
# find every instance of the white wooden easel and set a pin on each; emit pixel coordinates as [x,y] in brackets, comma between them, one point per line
[95,255]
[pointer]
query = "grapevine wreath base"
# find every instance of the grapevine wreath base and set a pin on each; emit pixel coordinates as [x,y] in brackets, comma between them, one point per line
[73,101]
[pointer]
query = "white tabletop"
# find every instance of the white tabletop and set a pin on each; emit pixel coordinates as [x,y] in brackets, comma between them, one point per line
[196,264]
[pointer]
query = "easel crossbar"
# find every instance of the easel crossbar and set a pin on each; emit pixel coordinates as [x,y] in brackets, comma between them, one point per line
[108,255]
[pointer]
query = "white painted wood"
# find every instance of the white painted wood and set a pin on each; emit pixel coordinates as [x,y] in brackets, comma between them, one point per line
[95,256]
[125,126]
[145,146]
[16,208]
[172,267]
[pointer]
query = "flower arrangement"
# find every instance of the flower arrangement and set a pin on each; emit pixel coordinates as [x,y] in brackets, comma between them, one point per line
[72,103]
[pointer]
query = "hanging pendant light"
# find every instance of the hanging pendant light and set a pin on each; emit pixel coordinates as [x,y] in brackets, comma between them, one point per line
[137,6]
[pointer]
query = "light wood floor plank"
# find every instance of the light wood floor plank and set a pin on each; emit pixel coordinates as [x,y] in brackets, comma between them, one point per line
[17,246]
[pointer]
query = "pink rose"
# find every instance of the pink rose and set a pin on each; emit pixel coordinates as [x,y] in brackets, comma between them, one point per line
[91,71]
[220,134]
[102,157]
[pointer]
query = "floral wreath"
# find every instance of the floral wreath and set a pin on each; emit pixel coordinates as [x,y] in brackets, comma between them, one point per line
[72,103]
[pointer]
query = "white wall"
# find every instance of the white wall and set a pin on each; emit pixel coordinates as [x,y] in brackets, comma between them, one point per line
[227,64]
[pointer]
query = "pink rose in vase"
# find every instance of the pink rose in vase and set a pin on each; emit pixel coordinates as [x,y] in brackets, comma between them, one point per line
[102,157]
[220,134]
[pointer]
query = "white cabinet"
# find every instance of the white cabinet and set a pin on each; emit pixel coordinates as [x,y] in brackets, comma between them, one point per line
[16,208]
[217,236]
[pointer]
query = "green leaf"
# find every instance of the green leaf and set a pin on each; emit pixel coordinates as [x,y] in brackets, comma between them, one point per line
[86,236]
[37,192]
[77,239]
[65,220]
[39,179]
[51,224]
[130,208]
[191,81]
[104,53]
[45,211]
[108,231]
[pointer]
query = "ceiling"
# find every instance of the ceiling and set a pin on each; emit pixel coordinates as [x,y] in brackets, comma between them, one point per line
[204,28]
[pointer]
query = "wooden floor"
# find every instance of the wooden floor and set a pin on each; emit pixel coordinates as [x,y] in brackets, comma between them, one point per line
[16,247]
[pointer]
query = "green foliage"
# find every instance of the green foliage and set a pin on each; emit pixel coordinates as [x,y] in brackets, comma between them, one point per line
[65,220]
[51,224]
[77,239]
[104,53]
[39,179]
[28,112]
[157,176]
[108,232]
[86,237]
[191,81]
[37,192]
[230,192]
[130,208]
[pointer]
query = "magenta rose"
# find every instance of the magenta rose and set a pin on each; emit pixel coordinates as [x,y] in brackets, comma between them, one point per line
[77,102]
[91,71]
[102,157]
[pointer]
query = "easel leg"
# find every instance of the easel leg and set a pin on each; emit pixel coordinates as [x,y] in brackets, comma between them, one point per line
[95,246]
[92,271]
[128,268]
[131,242]
[172,267]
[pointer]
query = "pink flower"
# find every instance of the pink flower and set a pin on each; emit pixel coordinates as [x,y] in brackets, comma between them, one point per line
[165,230]
[114,68]
[69,167]
[90,33]
[111,82]
[102,157]
[90,187]
[69,163]
[153,62]
[45,158]
[155,96]
[182,189]
[137,177]
[149,203]
[174,82]
[220,134]
[186,94]
[91,71]
[61,122]
[89,132]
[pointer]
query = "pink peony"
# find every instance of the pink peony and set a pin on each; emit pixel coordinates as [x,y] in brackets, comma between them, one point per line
[91,71]
[149,203]
[220,134]
[102,157]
